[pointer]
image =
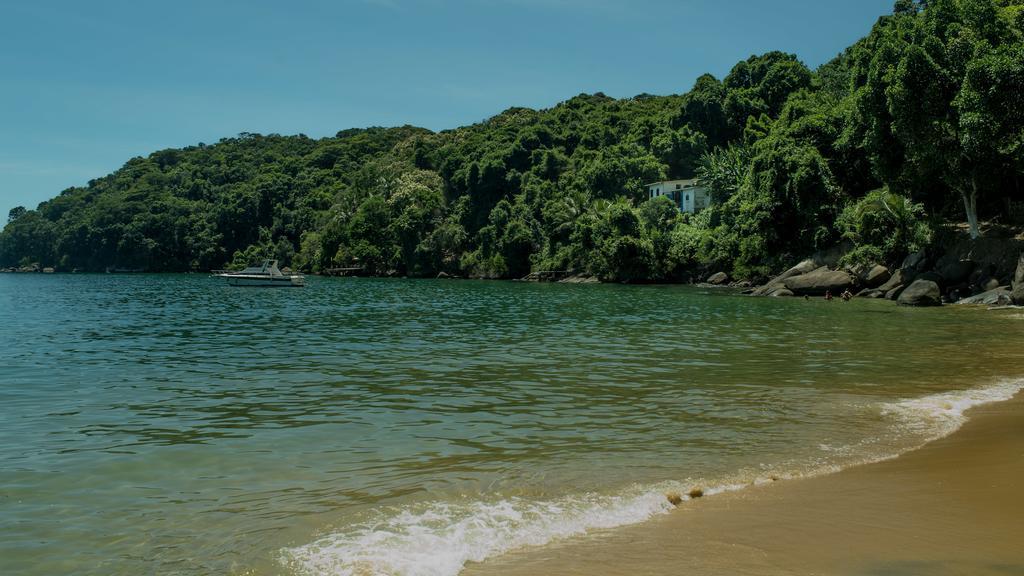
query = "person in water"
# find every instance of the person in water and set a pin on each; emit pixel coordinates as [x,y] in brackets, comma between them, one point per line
[847,295]
[828,295]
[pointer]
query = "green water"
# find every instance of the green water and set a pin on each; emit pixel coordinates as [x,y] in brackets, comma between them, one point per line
[161,424]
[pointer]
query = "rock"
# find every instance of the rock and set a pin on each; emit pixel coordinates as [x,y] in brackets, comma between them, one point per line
[1017,296]
[955,293]
[767,289]
[921,293]
[932,277]
[1018,277]
[831,256]
[781,292]
[916,262]
[894,281]
[998,297]
[877,276]
[901,277]
[801,268]
[819,282]
[777,282]
[579,279]
[980,273]
[989,284]
[443,275]
[895,292]
[871,293]
[718,278]
[956,271]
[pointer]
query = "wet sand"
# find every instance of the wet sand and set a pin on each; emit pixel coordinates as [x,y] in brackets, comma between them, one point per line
[955,506]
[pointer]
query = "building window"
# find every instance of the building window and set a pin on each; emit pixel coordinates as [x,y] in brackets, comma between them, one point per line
[687,197]
[679,186]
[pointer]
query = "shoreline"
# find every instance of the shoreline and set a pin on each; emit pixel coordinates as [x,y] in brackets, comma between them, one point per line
[952,506]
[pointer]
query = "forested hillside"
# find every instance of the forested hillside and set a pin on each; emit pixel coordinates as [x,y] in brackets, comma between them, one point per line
[919,122]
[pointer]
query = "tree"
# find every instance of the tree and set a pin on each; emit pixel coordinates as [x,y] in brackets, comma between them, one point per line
[15,213]
[704,109]
[680,150]
[927,87]
[723,170]
[991,120]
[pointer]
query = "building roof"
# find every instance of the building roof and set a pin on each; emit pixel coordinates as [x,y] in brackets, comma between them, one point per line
[686,182]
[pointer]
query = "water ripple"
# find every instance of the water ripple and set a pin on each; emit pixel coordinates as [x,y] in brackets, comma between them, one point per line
[171,424]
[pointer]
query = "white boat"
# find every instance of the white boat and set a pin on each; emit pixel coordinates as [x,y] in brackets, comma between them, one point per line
[264,275]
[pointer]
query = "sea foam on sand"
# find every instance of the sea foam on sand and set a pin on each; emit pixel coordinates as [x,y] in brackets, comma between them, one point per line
[939,415]
[439,538]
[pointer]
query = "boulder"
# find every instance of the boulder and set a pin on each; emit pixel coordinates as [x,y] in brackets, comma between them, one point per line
[956,293]
[777,282]
[767,289]
[988,284]
[1018,277]
[871,293]
[901,277]
[781,292]
[877,276]
[998,297]
[801,268]
[579,279]
[819,282]
[718,278]
[1017,296]
[956,271]
[895,292]
[921,293]
[932,277]
[916,262]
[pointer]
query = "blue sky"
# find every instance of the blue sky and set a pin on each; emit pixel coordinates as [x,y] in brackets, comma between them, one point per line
[84,86]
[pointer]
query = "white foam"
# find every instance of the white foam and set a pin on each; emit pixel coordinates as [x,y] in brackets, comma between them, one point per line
[440,538]
[939,415]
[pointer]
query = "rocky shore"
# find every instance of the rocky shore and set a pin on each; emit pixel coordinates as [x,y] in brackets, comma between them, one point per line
[986,271]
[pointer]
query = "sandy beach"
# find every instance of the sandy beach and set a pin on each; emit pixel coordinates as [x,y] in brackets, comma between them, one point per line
[954,506]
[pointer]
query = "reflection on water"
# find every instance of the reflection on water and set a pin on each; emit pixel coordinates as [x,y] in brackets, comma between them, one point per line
[172,424]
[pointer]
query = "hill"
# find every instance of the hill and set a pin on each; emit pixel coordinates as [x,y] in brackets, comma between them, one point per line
[915,124]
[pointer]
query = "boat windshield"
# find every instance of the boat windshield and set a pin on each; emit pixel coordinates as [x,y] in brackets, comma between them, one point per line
[268,267]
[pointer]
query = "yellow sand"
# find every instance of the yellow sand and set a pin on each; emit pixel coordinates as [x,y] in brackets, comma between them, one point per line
[955,506]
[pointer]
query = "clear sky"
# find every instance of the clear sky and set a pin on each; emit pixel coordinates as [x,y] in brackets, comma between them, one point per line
[84,86]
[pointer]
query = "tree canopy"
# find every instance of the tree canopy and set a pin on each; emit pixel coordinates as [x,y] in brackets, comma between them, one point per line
[919,119]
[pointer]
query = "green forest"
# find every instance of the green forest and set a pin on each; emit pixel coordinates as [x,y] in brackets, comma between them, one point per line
[917,124]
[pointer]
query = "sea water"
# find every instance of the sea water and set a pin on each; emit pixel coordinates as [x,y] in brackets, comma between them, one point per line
[170,424]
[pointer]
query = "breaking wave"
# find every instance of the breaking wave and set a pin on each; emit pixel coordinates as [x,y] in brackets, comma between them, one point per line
[939,415]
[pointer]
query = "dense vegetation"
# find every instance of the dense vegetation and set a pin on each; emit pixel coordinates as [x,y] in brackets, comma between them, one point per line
[919,121]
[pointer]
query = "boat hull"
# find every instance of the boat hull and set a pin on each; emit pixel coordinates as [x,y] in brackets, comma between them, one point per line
[273,282]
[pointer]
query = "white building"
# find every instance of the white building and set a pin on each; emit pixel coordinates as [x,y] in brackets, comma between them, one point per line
[689,195]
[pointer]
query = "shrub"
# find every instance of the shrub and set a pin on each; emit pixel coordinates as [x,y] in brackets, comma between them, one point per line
[884,228]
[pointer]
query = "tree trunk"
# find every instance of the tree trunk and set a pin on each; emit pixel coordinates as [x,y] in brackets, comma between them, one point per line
[971,207]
